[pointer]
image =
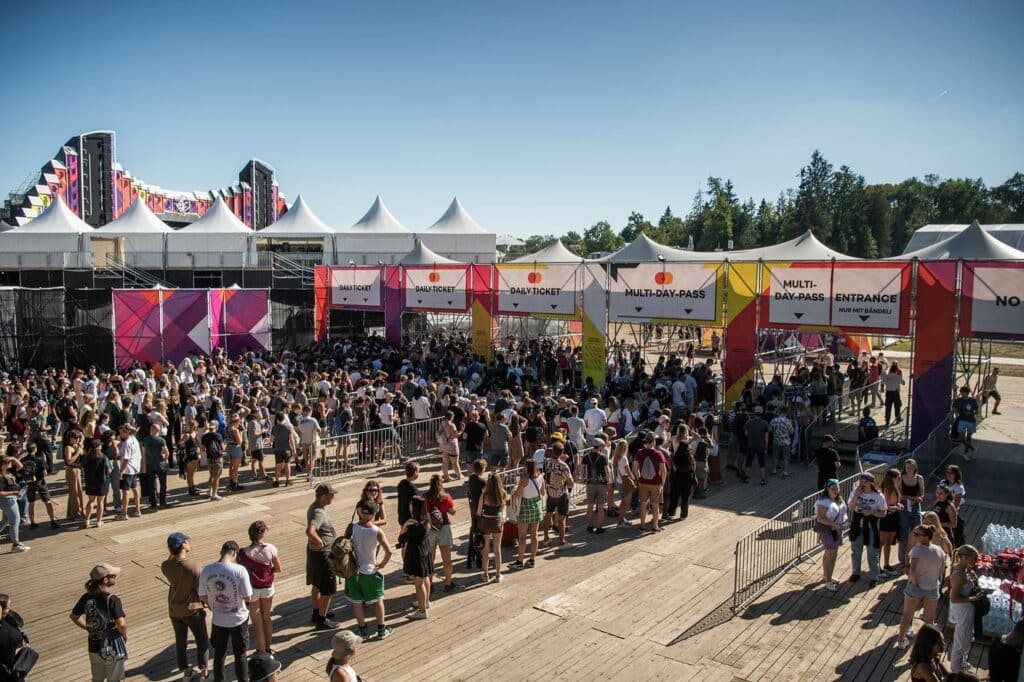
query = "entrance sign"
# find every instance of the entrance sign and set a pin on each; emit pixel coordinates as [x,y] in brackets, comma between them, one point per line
[356,287]
[869,297]
[539,288]
[799,295]
[441,288]
[664,291]
[996,298]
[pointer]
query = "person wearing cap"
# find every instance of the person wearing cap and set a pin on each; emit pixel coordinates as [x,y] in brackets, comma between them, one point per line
[320,535]
[343,650]
[95,611]
[130,455]
[594,418]
[366,587]
[224,586]
[184,607]
[867,507]
[828,460]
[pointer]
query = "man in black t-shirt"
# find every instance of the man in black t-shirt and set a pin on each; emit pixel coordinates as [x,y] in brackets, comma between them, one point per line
[828,461]
[407,491]
[475,433]
[213,443]
[94,612]
[33,468]
[597,473]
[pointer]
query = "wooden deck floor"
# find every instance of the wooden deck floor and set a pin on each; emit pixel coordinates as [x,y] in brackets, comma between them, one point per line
[610,606]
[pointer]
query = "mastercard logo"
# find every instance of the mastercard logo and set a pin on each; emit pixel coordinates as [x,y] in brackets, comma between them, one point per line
[663,278]
[434,277]
[534,278]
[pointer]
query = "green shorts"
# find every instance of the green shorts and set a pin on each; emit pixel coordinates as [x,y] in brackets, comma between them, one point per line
[365,588]
[216,466]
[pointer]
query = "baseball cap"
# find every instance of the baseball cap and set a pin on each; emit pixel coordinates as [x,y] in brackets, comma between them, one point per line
[262,666]
[829,438]
[176,540]
[324,489]
[831,482]
[368,507]
[101,571]
[558,436]
[867,476]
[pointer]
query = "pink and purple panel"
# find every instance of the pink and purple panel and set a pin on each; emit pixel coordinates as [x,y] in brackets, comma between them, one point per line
[186,324]
[247,323]
[136,327]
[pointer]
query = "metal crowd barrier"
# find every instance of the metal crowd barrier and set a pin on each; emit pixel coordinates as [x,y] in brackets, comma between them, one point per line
[764,555]
[375,449]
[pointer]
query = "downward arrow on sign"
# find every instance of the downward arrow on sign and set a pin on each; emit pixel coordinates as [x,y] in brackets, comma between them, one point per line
[688,310]
[449,302]
[554,305]
[515,305]
[863,318]
[798,315]
[639,308]
[419,300]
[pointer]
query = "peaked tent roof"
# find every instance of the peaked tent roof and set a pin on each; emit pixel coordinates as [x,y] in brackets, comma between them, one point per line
[643,249]
[973,243]
[378,220]
[804,247]
[555,252]
[56,219]
[218,220]
[422,255]
[298,221]
[456,220]
[1008,233]
[138,219]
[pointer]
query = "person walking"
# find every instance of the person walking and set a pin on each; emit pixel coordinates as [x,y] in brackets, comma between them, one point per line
[101,614]
[966,409]
[366,587]
[926,564]
[261,560]
[320,535]
[830,521]
[491,513]
[184,606]
[989,390]
[440,507]
[417,561]
[10,491]
[224,586]
[867,506]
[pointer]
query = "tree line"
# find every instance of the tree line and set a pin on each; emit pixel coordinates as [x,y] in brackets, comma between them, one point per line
[843,211]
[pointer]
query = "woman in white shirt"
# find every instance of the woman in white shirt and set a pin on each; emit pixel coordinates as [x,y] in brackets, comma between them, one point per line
[623,480]
[830,522]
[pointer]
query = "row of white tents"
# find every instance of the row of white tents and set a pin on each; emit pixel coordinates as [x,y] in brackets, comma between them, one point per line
[58,238]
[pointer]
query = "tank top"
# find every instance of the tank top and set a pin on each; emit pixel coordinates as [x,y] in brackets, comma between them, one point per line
[347,669]
[533,488]
[912,491]
[492,510]
[364,542]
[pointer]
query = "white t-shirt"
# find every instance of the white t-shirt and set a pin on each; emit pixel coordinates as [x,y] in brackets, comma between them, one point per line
[131,452]
[421,407]
[538,457]
[308,428]
[227,590]
[386,412]
[834,511]
[865,502]
[595,419]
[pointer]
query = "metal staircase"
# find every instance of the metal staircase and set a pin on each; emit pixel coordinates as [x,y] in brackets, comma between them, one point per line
[131,278]
[283,266]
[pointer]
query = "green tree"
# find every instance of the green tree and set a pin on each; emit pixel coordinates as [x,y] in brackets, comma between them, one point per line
[746,233]
[878,216]
[1010,195]
[814,198]
[848,230]
[670,230]
[574,242]
[962,200]
[531,244]
[600,238]
[635,226]
[913,206]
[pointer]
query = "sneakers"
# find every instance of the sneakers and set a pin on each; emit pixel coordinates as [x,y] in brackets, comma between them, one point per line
[854,578]
[902,644]
[590,529]
[215,496]
[832,586]
[450,586]
[497,578]
[872,583]
[19,548]
[599,530]
[417,615]
[33,526]
[785,474]
[325,624]
[623,524]
[517,565]
[385,632]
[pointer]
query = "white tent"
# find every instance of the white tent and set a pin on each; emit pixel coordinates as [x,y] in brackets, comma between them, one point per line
[376,237]
[643,249]
[422,255]
[53,240]
[300,226]
[1009,233]
[216,240]
[804,247]
[972,243]
[457,235]
[555,252]
[137,238]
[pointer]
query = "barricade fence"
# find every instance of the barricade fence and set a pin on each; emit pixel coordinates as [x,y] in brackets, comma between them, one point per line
[765,554]
[376,449]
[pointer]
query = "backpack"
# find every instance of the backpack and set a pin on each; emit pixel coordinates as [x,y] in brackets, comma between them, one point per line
[262,574]
[341,558]
[436,520]
[648,471]
[870,428]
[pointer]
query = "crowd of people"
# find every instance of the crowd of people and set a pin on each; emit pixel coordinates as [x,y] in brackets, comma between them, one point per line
[524,432]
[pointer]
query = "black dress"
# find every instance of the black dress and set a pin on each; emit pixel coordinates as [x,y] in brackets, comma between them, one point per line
[416,558]
[94,470]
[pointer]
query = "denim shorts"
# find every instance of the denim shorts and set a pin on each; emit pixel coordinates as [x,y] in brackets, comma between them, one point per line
[915,592]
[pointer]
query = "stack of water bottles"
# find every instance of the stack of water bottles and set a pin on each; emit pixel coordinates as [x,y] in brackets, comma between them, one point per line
[998,620]
[998,537]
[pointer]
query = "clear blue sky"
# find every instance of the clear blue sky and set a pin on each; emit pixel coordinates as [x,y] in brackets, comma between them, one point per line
[541,117]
